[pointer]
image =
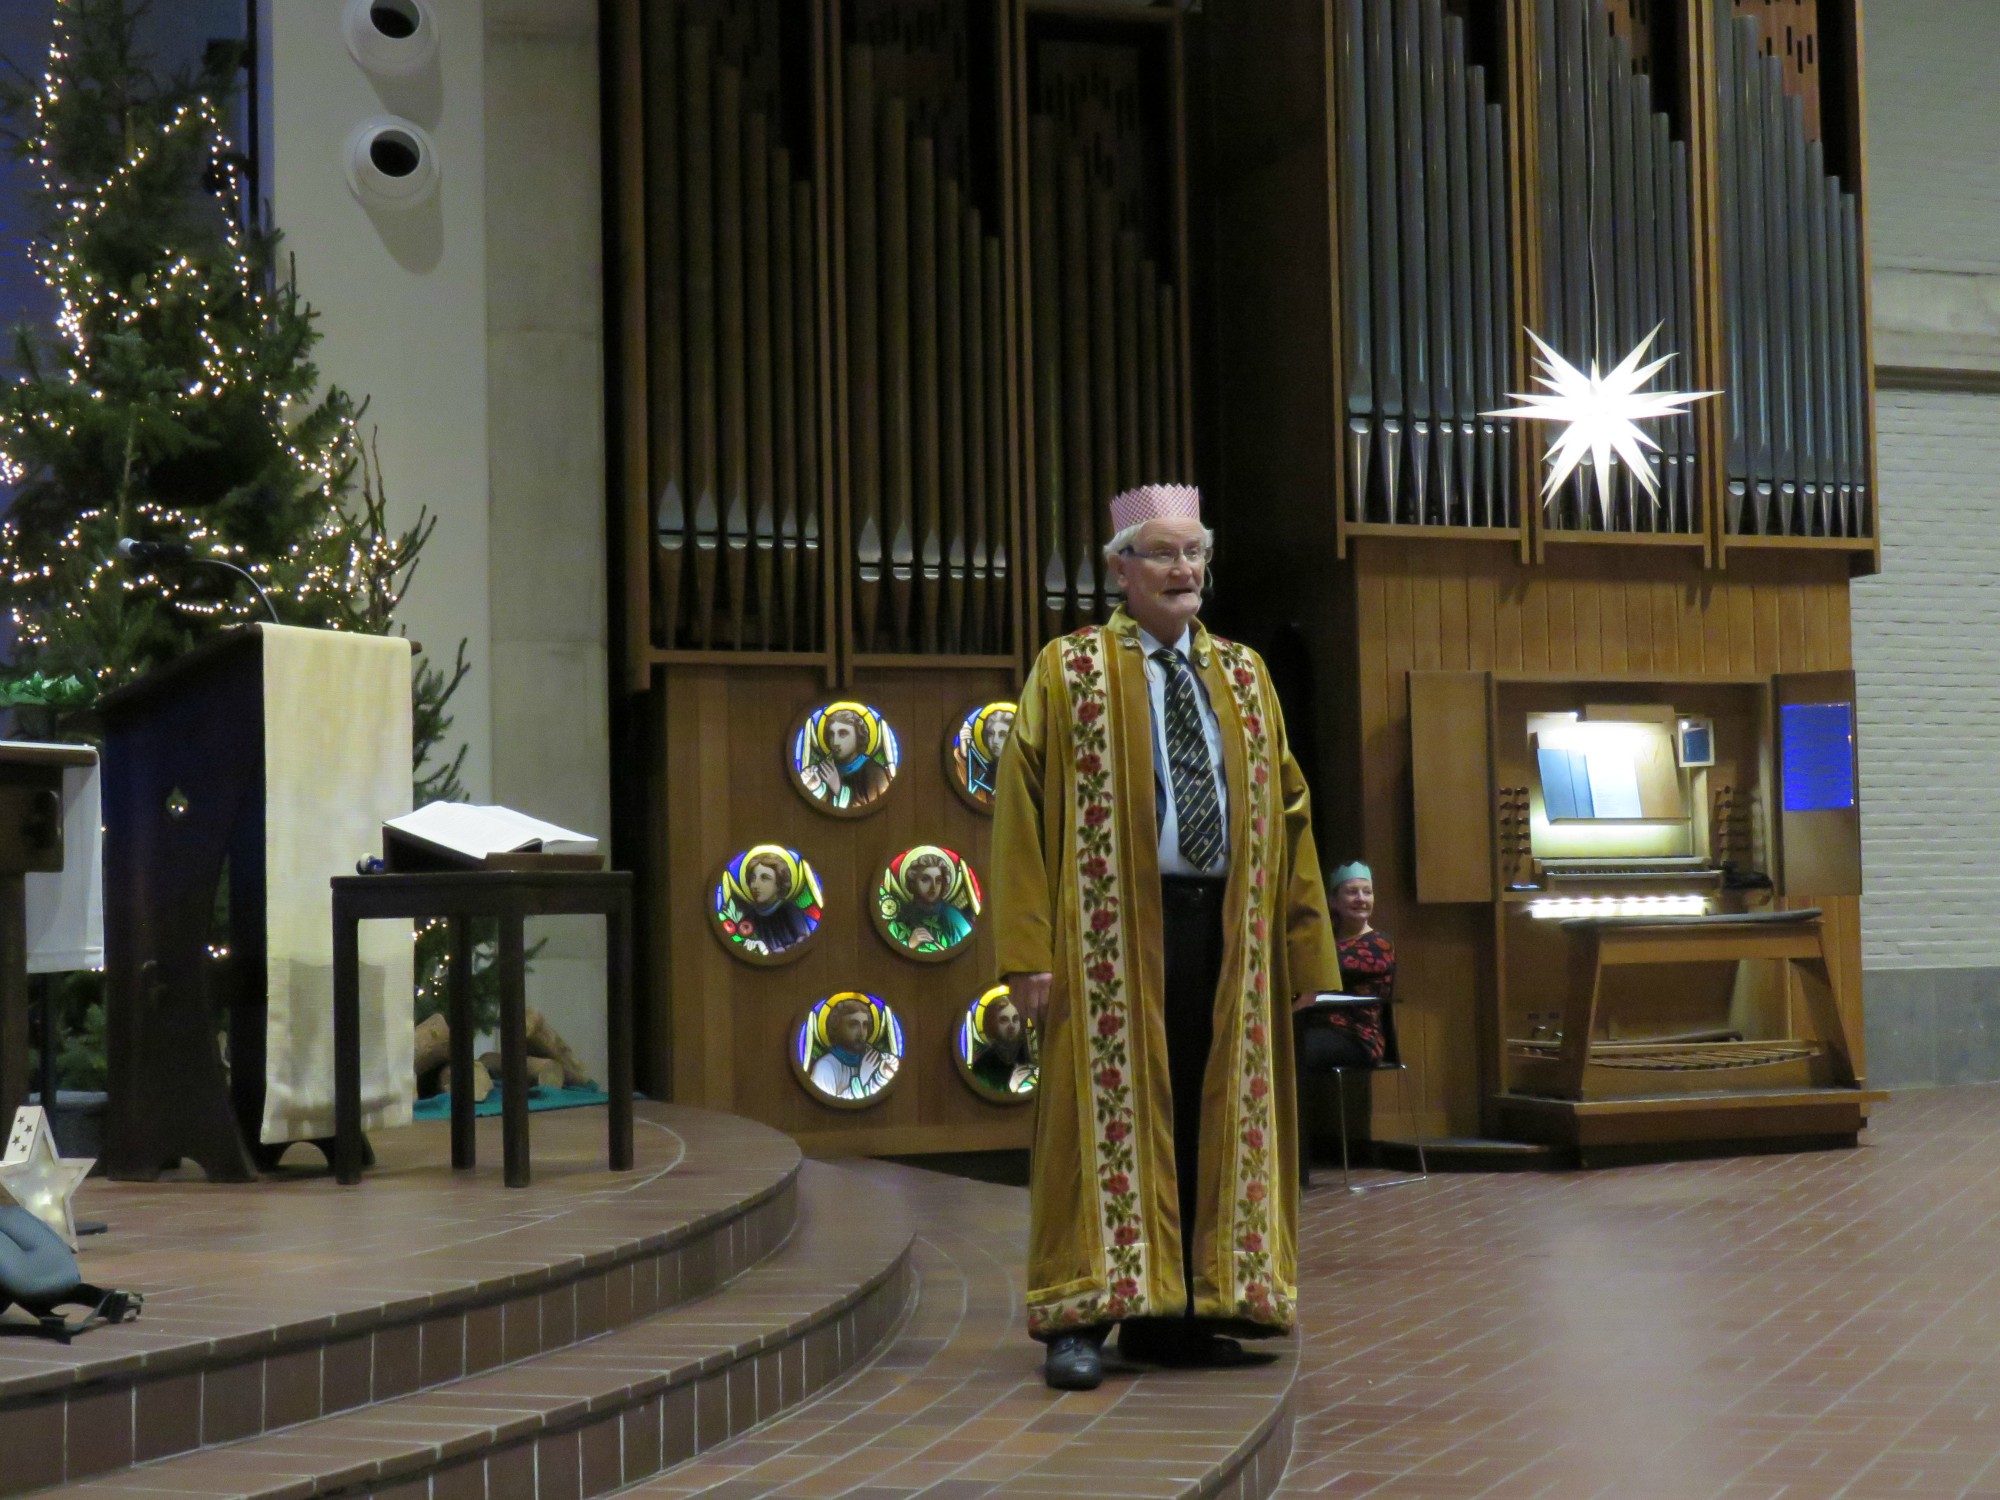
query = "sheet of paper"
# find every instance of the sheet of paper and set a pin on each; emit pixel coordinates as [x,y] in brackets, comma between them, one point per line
[555,839]
[1565,787]
[1614,785]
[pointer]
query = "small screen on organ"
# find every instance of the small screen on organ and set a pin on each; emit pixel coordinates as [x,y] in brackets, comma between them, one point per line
[1817,756]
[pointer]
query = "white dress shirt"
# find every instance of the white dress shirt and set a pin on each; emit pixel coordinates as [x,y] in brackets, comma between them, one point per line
[1172,862]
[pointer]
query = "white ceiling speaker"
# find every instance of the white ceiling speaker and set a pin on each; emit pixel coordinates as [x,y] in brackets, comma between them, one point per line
[392,163]
[392,38]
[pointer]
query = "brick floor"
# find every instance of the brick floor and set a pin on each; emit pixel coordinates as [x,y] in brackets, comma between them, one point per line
[955,1408]
[1801,1326]
[272,1303]
[1760,1328]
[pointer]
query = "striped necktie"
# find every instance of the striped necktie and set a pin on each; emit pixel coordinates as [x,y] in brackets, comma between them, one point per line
[1189,769]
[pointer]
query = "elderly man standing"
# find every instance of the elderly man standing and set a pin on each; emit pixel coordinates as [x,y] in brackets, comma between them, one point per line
[1158,904]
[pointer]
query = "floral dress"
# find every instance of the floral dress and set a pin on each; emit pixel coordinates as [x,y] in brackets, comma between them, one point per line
[1367,967]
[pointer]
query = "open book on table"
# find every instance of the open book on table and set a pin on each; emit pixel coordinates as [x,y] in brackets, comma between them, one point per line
[466,835]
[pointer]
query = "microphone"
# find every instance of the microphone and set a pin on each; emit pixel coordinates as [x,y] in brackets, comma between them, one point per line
[133,550]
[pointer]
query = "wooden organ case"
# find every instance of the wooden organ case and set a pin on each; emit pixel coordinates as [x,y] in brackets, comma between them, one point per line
[903,300]
[1401,190]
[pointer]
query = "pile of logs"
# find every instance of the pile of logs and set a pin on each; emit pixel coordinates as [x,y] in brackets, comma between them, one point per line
[552,1064]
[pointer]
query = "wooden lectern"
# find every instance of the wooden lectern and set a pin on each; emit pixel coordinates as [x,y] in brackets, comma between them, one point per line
[189,785]
[183,804]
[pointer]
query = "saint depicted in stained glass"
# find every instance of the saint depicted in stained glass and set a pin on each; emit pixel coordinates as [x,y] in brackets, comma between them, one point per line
[926,901]
[844,756]
[998,1049]
[849,1047]
[767,903]
[975,752]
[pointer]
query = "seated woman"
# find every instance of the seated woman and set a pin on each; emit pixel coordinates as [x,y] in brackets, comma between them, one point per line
[1353,1037]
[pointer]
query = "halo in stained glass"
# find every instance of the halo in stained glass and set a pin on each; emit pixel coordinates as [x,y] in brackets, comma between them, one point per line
[972,754]
[766,905]
[998,1050]
[926,903]
[843,758]
[848,1049]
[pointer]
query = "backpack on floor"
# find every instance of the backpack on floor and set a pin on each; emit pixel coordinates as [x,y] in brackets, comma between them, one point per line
[38,1271]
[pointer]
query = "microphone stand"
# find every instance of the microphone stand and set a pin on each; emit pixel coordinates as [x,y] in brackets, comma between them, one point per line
[262,597]
[154,554]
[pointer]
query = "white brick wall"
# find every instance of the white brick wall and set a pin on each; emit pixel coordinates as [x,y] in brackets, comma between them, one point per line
[1927,653]
[1927,630]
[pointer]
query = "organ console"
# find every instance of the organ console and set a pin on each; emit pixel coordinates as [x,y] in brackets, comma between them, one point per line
[1662,968]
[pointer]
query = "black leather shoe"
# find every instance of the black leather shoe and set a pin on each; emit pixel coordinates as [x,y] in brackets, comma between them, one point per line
[1204,1350]
[1177,1345]
[1074,1363]
[1152,1341]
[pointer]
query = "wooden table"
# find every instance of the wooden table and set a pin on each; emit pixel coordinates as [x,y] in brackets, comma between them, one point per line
[458,896]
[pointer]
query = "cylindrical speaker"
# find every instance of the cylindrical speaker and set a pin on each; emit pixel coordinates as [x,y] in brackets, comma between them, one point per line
[392,38]
[391,162]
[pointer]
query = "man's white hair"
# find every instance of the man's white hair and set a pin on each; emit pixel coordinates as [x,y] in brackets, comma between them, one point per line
[1130,536]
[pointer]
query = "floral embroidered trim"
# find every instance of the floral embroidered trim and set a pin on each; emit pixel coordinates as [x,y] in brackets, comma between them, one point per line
[1102,931]
[1256,1291]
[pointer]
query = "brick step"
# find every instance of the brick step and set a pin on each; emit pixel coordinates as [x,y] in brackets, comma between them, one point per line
[279,1302]
[953,1407]
[601,1413]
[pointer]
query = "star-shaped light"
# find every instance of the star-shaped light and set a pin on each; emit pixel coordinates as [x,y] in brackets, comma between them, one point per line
[1600,414]
[39,1180]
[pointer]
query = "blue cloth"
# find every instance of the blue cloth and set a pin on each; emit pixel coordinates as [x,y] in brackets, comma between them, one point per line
[438,1106]
[36,1267]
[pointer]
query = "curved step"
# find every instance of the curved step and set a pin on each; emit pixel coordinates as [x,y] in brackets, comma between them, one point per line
[955,1399]
[275,1303]
[601,1413]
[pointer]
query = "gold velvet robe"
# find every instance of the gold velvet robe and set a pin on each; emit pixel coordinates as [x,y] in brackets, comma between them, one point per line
[1076,893]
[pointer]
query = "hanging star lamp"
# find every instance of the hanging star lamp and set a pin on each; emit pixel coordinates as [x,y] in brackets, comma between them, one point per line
[1599,417]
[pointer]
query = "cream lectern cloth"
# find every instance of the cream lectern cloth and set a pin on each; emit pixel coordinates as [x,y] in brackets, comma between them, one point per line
[66,908]
[336,765]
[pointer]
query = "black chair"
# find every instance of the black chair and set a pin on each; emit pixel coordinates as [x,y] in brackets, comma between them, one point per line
[1392,1061]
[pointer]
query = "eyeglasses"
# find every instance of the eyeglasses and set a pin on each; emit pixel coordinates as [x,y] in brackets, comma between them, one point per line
[1194,554]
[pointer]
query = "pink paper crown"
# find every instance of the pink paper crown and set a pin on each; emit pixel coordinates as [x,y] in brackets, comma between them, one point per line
[1155,502]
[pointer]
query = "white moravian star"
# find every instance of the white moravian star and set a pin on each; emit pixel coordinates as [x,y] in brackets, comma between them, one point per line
[1599,414]
[35,1177]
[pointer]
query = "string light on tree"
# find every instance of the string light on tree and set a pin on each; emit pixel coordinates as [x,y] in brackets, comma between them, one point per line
[175,395]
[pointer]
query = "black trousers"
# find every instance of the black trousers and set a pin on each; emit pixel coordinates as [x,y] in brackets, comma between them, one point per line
[1191,909]
[1192,959]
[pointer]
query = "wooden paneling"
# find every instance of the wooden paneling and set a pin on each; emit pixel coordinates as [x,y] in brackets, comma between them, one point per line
[1655,614]
[728,1026]
[1451,766]
[1261,306]
[893,421]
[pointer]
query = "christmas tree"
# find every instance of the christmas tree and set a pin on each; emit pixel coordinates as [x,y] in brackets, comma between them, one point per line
[175,400]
